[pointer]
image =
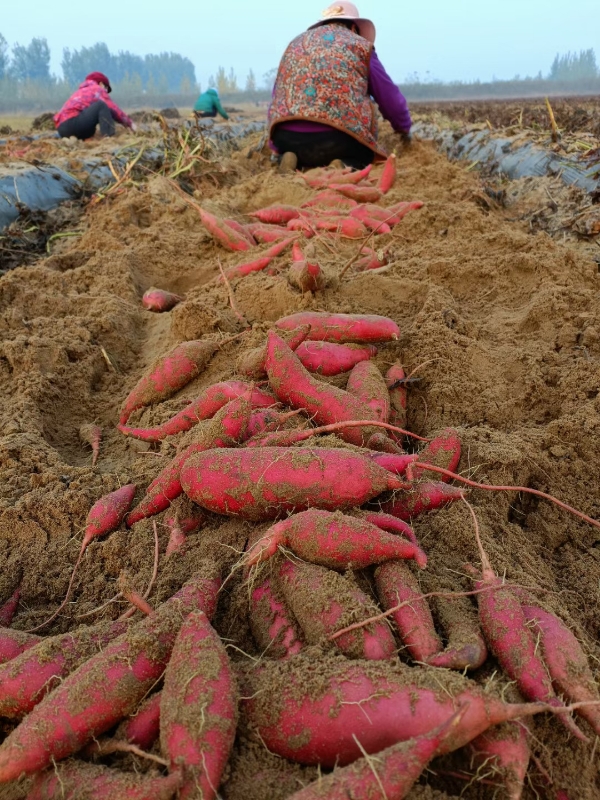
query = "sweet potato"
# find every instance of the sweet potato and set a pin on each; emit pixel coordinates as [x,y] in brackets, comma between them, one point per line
[222,232]
[276,214]
[8,609]
[362,194]
[261,261]
[334,540]
[143,727]
[269,234]
[396,584]
[504,752]
[466,647]
[388,175]
[264,483]
[26,679]
[198,710]
[316,717]
[104,517]
[398,394]
[252,362]
[566,662]
[92,435]
[267,420]
[106,688]
[390,775]
[330,199]
[76,780]
[442,451]
[323,601]
[366,382]
[513,643]
[328,358]
[293,385]
[178,530]
[327,177]
[397,463]
[13,643]
[342,328]
[168,375]
[243,230]
[204,406]
[226,429]
[424,496]
[308,276]
[158,300]
[273,627]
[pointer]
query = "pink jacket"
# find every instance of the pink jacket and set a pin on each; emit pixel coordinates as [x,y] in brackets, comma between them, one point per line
[90,92]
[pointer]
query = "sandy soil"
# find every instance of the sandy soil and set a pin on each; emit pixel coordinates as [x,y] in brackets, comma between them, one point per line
[503,318]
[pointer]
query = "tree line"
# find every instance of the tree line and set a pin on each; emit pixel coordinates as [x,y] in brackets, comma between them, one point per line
[170,78]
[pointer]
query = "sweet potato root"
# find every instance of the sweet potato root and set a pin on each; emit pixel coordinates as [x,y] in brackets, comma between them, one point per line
[329,358]
[159,301]
[198,711]
[273,627]
[334,540]
[323,601]
[267,482]
[342,328]
[168,375]
[367,384]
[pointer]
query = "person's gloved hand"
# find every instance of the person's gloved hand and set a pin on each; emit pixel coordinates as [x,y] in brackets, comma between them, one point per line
[405,138]
[133,127]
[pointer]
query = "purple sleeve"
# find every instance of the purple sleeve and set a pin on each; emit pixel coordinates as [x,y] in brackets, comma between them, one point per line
[388,97]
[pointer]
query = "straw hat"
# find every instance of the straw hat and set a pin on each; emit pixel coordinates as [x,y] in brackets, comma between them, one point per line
[345,10]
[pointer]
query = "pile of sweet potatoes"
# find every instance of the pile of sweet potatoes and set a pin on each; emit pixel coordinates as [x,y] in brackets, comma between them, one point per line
[329,576]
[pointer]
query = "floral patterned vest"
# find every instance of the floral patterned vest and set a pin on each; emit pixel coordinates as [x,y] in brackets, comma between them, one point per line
[323,77]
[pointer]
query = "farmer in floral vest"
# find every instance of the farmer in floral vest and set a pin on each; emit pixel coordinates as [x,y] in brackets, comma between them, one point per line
[89,107]
[322,107]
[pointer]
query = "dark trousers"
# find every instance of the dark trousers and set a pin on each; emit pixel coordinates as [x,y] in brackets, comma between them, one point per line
[83,126]
[205,113]
[320,149]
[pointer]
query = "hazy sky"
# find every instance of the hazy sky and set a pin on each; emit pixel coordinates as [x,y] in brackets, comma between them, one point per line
[463,39]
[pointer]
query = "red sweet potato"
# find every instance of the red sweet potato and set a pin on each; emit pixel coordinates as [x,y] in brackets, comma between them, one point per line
[260,262]
[158,300]
[362,194]
[330,199]
[276,214]
[398,394]
[8,609]
[513,643]
[198,710]
[342,328]
[466,648]
[274,629]
[293,385]
[424,496]
[396,584]
[267,420]
[328,358]
[366,382]
[504,751]
[443,451]
[243,230]
[76,780]
[13,643]
[397,463]
[26,679]
[388,175]
[323,602]
[143,727]
[92,435]
[391,775]
[269,234]
[316,718]
[226,429]
[267,482]
[334,540]
[204,406]
[168,375]
[252,362]
[179,529]
[222,232]
[106,688]
[566,662]
[308,276]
